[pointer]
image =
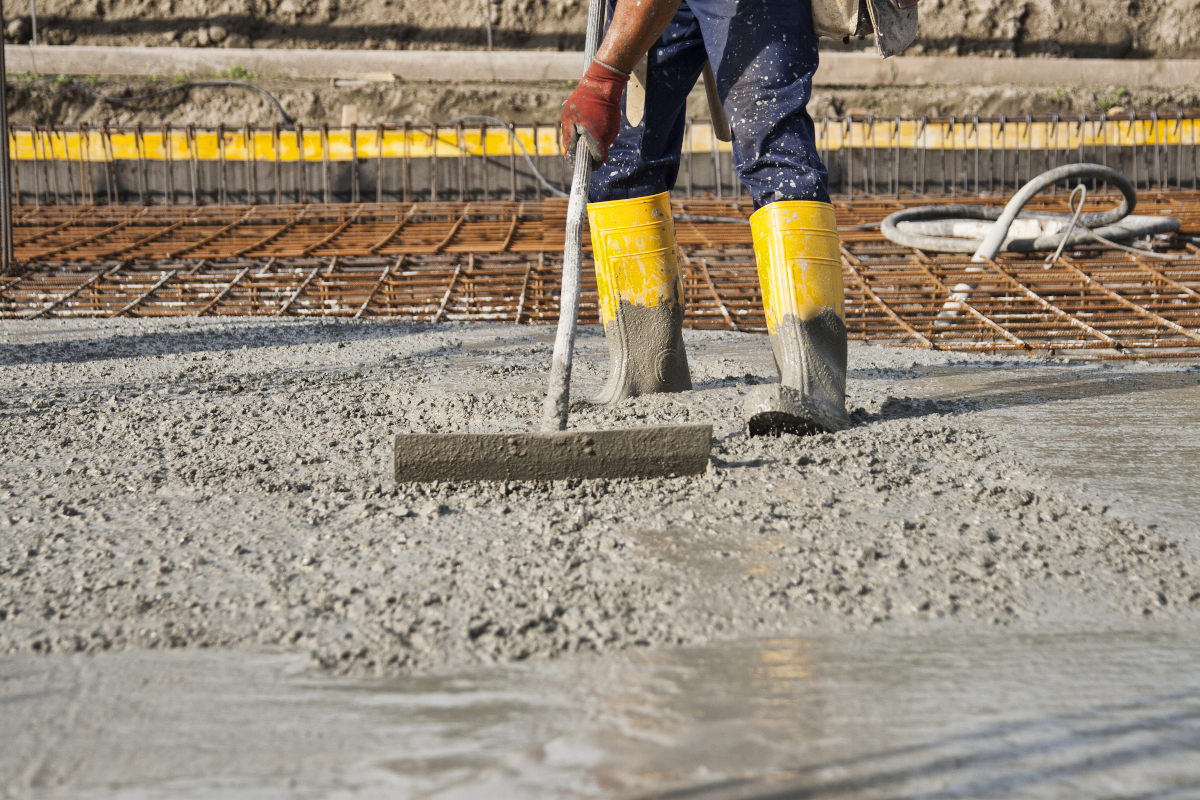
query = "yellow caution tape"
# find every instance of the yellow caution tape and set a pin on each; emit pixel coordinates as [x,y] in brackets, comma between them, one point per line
[339,145]
[342,145]
[1012,135]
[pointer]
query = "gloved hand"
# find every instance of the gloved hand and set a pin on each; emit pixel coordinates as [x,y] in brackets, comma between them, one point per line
[594,109]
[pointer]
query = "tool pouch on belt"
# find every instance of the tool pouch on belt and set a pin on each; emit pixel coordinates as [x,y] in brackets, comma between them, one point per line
[894,22]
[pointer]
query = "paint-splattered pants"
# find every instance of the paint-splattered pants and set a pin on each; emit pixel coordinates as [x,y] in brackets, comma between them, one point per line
[764,54]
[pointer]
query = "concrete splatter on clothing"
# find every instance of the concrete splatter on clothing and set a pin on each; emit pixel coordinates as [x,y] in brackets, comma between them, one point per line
[764,55]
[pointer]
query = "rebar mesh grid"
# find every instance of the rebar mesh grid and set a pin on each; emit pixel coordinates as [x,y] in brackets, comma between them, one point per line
[500,262]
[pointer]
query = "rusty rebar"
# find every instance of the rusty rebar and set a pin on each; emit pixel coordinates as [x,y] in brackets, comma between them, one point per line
[335,260]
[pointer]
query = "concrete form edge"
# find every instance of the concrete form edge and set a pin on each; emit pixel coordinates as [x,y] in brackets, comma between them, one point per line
[837,69]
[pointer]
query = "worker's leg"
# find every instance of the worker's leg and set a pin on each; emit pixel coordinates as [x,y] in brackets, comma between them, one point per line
[764,54]
[641,296]
[633,235]
[644,160]
[800,272]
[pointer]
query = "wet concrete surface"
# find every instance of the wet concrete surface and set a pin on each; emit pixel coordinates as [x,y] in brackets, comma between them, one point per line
[202,563]
[1078,715]
[1130,434]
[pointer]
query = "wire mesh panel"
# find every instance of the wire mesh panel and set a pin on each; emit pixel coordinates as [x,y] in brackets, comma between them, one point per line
[501,262]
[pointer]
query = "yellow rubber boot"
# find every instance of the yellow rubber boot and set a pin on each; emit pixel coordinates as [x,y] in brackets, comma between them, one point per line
[800,272]
[641,296]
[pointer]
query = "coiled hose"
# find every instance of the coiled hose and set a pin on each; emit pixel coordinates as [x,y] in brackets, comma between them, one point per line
[960,228]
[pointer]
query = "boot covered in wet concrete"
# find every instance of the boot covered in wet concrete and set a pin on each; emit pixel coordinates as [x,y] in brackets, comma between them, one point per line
[641,296]
[800,272]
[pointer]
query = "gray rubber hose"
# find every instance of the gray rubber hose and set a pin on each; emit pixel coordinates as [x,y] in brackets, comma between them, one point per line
[928,227]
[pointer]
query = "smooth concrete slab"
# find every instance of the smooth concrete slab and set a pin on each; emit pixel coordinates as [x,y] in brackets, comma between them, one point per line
[837,69]
[996,714]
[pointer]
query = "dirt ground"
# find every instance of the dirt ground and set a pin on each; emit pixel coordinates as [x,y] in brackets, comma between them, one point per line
[225,484]
[1082,28]
[47,100]
[1001,28]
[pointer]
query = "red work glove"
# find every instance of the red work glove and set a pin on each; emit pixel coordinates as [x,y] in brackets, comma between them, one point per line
[594,109]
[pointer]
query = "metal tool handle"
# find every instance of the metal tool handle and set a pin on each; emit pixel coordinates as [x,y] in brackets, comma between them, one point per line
[720,121]
[6,233]
[558,396]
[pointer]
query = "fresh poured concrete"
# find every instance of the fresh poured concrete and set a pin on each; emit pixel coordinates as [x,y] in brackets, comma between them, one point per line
[986,714]
[986,586]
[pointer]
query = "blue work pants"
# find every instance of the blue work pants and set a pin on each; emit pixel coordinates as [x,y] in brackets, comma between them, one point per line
[764,54]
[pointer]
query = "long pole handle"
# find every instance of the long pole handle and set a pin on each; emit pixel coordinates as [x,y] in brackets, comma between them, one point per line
[556,407]
[6,231]
[558,395]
